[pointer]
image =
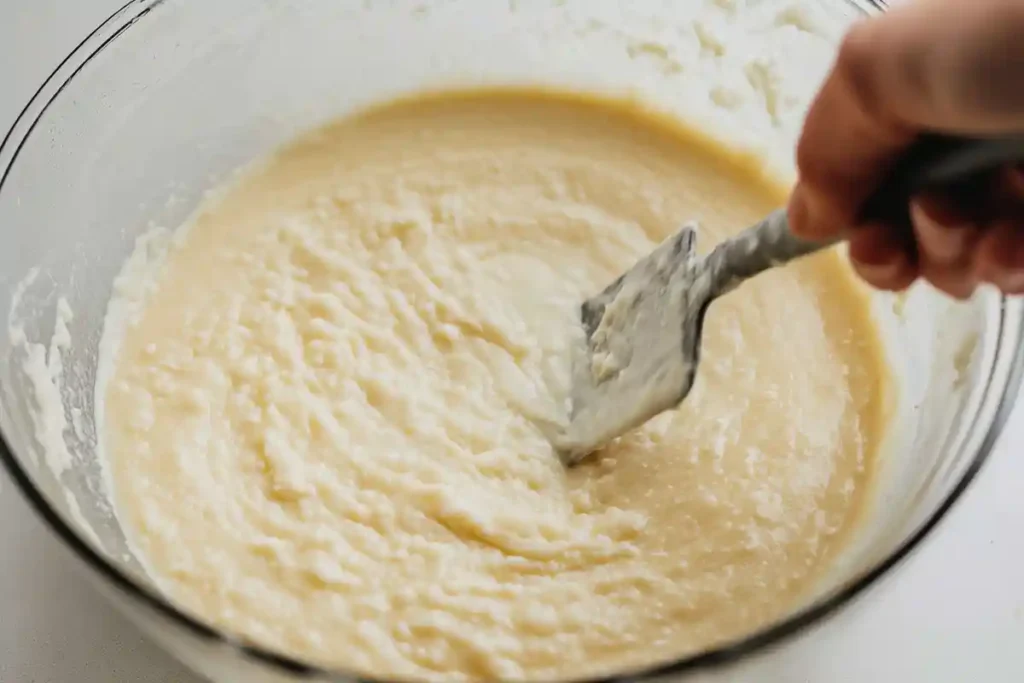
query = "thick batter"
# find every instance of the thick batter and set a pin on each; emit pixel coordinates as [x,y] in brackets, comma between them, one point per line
[324,429]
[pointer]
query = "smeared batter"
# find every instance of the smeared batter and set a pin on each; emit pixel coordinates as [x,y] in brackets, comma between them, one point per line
[325,428]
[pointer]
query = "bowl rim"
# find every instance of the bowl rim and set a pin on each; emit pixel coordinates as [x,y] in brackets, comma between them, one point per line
[730,653]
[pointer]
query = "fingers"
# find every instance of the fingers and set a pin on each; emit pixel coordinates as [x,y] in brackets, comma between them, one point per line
[959,246]
[999,256]
[955,245]
[882,257]
[946,239]
[944,233]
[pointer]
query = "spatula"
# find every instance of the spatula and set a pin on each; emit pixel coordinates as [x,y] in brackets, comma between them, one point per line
[643,332]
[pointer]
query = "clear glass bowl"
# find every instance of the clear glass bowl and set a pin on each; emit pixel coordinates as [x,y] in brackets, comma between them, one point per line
[167,96]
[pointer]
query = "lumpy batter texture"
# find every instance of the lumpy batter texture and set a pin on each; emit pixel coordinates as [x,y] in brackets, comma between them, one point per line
[325,428]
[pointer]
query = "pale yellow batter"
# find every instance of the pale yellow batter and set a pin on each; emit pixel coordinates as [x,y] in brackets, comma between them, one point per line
[324,428]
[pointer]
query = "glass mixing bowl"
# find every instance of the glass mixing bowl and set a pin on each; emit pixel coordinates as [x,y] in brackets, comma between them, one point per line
[168,96]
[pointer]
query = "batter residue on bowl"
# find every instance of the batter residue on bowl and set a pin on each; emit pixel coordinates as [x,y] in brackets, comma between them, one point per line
[323,427]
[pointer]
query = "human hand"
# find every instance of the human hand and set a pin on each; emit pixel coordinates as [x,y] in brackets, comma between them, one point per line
[943,66]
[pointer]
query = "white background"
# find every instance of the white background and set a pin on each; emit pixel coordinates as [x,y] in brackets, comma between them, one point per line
[954,612]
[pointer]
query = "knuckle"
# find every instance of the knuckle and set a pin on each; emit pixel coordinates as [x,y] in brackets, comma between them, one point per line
[856,65]
[855,49]
[809,160]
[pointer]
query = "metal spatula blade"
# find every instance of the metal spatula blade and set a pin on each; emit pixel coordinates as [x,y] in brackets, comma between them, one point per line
[641,346]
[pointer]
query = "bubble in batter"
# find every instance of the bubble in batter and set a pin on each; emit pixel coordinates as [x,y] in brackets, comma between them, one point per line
[324,428]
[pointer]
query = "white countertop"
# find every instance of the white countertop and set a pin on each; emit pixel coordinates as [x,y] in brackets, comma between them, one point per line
[954,612]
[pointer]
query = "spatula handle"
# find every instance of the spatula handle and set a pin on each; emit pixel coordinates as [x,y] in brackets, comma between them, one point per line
[938,161]
[933,162]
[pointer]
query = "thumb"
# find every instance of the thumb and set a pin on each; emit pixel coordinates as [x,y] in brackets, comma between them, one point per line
[942,65]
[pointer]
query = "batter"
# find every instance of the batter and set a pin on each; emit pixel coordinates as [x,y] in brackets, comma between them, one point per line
[324,428]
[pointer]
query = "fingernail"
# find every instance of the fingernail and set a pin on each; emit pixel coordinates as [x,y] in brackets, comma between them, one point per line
[879,271]
[886,274]
[812,218]
[943,232]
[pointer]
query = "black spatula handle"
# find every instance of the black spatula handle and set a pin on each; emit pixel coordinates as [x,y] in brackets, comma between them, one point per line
[938,161]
